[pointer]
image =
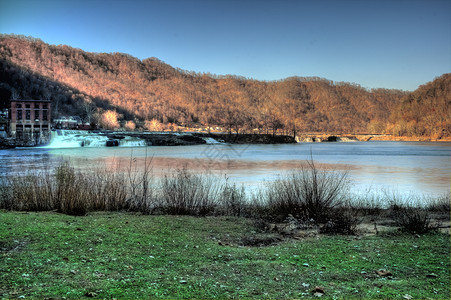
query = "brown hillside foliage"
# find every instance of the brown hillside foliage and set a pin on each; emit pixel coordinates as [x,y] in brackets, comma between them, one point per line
[91,84]
[426,111]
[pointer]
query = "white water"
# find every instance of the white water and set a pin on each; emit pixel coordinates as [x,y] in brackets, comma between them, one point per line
[211,141]
[76,139]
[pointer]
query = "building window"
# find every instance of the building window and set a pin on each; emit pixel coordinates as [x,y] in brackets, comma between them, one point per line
[18,105]
[28,114]
[19,114]
[27,106]
[44,106]
[36,114]
[44,115]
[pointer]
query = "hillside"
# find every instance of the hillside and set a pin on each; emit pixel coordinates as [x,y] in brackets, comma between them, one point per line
[424,112]
[104,88]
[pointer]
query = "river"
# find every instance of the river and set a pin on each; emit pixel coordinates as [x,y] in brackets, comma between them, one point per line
[405,168]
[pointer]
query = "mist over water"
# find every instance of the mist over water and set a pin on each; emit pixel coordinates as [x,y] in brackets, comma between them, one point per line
[401,167]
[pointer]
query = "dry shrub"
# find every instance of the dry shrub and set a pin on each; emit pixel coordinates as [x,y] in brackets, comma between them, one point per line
[141,187]
[440,205]
[414,220]
[66,190]
[232,200]
[411,215]
[5,194]
[344,220]
[308,193]
[185,193]
[71,195]
[107,190]
[368,203]
[32,192]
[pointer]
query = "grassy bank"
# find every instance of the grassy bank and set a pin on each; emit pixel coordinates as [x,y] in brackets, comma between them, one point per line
[125,255]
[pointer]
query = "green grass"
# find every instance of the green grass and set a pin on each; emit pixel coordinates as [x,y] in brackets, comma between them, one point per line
[124,255]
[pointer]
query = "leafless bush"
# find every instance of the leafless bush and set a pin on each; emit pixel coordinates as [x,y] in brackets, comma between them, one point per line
[31,191]
[232,200]
[367,203]
[411,215]
[440,205]
[414,220]
[307,193]
[5,194]
[71,195]
[68,191]
[343,220]
[185,193]
[141,187]
[107,190]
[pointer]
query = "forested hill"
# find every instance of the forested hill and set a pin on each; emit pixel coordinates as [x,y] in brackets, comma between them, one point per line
[94,85]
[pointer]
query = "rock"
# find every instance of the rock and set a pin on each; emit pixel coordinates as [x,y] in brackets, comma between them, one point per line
[7,143]
[432,275]
[112,143]
[333,138]
[384,273]
[318,291]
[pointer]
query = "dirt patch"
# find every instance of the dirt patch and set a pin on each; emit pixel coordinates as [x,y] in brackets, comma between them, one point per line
[274,234]
[260,241]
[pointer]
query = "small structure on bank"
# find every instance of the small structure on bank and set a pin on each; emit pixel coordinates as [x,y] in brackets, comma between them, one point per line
[70,122]
[29,122]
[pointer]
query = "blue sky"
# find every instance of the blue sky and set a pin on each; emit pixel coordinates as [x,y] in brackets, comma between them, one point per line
[375,43]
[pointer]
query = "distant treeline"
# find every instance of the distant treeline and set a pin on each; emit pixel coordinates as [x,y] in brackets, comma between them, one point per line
[120,90]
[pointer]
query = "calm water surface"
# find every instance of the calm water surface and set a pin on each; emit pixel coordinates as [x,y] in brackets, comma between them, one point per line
[402,167]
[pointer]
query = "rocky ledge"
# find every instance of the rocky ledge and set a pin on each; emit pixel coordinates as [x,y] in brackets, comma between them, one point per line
[250,138]
[7,143]
[179,139]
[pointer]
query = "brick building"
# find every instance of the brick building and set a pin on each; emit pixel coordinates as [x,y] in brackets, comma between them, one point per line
[29,121]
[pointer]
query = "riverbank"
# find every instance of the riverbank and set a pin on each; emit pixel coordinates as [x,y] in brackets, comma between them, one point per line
[323,137]
[178,139]
[175,139]
[410,138]
[123,255]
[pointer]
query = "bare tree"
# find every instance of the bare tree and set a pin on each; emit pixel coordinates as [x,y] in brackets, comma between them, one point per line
[15,95]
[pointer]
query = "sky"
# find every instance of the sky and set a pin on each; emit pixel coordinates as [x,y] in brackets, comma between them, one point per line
[397,44]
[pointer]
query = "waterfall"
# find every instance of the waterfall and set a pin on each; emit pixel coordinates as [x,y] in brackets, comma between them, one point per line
[79,138]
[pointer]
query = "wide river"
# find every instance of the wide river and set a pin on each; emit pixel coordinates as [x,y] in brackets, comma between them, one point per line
[404,168]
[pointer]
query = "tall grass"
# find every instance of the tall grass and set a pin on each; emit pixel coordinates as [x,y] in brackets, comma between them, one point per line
[32,191]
